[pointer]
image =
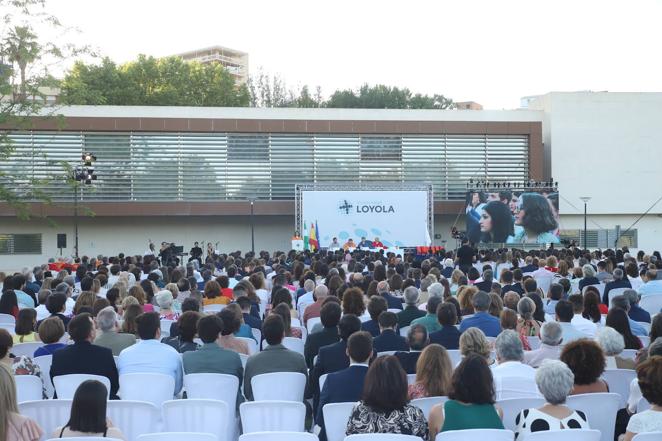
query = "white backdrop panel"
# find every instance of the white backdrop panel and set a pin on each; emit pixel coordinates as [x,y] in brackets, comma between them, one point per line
[398,218]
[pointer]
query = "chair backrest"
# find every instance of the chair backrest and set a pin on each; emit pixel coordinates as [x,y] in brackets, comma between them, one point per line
[476,434]
[455,356]
[322,380]
[212,309]
[257,334]
[645,340]
[534,342]
[336,416]
[599,286]
[44,362]
[382,437]
[165,326]
[279,416]
[194,415]
[66,385]
[252,345]
[615,292]
[643,405]
[411,378]
[160,387]
[404,331]
[134,418]
[278,436]
[244,359]
[286,386]
[652,303]
[425,404]
[383,353]
[310,324]
[629,353]
[28,388]
[650,436]
[49,414]
[565,435]
[294,344]
[619,382]
[544,283]
[84,438]
[215,387]
[513,406]
[7,319]
[600,410]
[9,327]
[178,436]
[26,349]
[295,322]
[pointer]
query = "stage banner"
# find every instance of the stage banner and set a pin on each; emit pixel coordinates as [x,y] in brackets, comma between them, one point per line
[394,218]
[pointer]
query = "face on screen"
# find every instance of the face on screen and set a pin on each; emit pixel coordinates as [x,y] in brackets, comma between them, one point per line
[492,197]
[519,212]
[485,222]
[475,199]
[514,202]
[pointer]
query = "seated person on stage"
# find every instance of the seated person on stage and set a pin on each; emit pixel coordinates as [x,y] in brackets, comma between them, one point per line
[349,244]
[334,245]
[377,243]
[365,243]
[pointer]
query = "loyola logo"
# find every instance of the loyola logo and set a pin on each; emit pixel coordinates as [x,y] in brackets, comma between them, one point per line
[346,208]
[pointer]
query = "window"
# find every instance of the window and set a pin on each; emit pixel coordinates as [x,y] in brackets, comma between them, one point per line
[20,243]
[601,238]
[381,148]
[248,148]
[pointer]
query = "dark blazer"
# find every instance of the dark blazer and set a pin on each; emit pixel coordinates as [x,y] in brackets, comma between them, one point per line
[586,281]
[340,387]
[252,321]
[408,314]
[65,320]
[447,272]
[371,326]
[447,336]
[514,287]
[623,283]
[408,360]
[639,314]
[529,268]
[86,358]
[392,301]
[317,340]
[389,341]
[484,286]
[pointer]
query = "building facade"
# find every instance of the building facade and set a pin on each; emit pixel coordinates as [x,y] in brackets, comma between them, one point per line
[236,62]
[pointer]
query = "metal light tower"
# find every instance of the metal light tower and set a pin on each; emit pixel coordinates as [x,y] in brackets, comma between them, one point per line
[585,199]
[82,174]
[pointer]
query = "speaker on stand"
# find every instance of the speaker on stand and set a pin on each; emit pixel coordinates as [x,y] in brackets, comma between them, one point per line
[61,241]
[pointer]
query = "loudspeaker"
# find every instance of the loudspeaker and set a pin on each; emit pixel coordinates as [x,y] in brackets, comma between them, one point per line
[61,240]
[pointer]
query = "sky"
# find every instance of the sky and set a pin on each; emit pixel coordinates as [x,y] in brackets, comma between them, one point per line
[490,51]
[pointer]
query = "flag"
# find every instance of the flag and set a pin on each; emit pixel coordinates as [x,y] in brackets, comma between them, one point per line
[313,237]
[317,234]
[305,236]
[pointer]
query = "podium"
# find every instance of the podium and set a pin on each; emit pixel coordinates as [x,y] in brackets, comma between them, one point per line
[297,244]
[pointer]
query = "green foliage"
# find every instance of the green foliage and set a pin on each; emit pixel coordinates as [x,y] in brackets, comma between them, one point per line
[150,81]
[385,97]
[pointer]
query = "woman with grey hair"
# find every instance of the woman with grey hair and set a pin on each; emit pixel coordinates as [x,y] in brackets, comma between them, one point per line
[526,324]
[588,273]
[555,381]
[613,344]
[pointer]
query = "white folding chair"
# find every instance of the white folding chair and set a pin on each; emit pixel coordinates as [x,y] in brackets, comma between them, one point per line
[645,325]
[165,326]
[49,414]
[411,378]
[295,322]
[645,341]
[513,406]
[28,388]
[394,310]
[565,435]
[66,385]
[643,405]
[7,319]
[544,283]
[83,438]
[194,415]
[426,404]
[151,387]
[9,327]
[310,324]
[455,356]
[279,416]
[404,331]
[285,386]
[534,342]
[244,359]
[133,417]
[44,362]
[253,348]
[336,416]
[257,334]
[476,434]
[615,292]
[294,344]
[629,353]
[650,436]
[619,382]
[26,349]
[215,387]
[178,436]
[600,410]
[213,309]
[382,437]
[322,380]
[383,353]
[652,303]
[278,436]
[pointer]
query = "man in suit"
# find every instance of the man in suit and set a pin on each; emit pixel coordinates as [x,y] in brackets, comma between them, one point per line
[619,282]
[486,284]
[83,357]
[482,319]
[109,337]
[508,284]
[392,301]
[388,339]
[376,305]
[273,358]
[448,336]
[417,339]
[245,304]
[530,266]
[346,385]
[330,315]
[411,311]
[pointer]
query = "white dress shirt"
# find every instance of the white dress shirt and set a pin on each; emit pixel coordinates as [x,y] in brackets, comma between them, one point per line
[152,356]
[513,379]
[544,352]
[583,325]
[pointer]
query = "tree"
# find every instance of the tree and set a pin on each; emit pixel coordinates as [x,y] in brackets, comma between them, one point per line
[385,97]
[150,81]
[29,58]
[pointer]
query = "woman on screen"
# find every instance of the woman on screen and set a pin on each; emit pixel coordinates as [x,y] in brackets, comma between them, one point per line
[496,223]
[536,219]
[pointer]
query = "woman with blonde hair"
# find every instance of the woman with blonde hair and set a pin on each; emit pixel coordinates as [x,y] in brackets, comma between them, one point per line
[473,341]
[465,296]
[433,373]
[13,426]
[455,280]
[85,299]
[123,289]
[138,292]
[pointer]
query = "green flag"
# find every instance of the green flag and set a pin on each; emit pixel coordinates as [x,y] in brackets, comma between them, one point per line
[306,245]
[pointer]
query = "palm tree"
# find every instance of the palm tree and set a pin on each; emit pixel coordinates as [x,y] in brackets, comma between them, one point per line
[21,46]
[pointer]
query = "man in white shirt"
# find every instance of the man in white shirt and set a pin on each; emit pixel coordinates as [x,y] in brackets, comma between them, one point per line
[307,298]
[551,336]
[564,315]
[512,378]
[580,323]
[150,355]
[114,276]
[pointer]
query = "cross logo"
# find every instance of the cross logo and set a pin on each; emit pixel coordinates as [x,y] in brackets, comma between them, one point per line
[346,206]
